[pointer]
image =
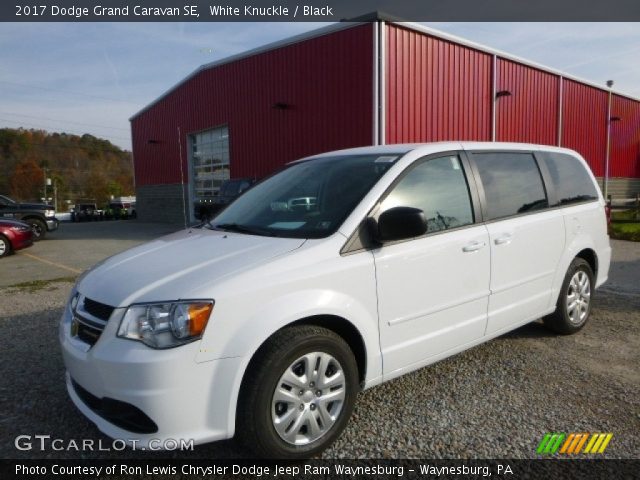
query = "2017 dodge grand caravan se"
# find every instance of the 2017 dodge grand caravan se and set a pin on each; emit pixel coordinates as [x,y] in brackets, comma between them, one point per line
[338,273]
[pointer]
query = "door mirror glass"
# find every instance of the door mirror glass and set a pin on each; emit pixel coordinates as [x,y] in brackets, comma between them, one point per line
[400,223]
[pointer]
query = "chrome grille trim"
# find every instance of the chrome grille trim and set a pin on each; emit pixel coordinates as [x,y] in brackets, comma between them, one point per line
[89,327]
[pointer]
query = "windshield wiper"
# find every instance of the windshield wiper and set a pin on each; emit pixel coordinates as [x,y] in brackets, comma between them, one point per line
[236,227]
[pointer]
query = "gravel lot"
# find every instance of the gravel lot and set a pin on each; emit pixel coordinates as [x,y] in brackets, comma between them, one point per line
[494,401]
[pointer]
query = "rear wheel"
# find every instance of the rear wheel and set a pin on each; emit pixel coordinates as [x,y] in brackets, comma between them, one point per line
[298,393]
[39,228]
[5,247]
[574,302]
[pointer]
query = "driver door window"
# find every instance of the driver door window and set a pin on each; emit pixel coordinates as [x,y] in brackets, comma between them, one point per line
[439,188]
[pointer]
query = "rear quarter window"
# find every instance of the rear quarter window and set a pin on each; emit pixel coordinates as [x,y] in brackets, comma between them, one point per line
[512,183]
[571,181]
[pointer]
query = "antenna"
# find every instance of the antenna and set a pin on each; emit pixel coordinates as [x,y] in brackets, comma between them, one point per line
[184,193]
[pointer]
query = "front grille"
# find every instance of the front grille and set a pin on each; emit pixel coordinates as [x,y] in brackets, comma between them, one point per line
[97,309]
[89,320]
[88,333]
[121,414]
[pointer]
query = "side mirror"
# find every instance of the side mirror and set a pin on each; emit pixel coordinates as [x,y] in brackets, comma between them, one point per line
[400,223]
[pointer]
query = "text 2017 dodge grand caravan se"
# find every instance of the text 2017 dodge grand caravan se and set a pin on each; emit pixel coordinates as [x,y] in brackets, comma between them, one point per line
[337,273]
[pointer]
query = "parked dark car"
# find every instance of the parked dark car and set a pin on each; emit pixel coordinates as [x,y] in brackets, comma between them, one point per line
[84,212]
[14,235]
[229,191]
[40,216]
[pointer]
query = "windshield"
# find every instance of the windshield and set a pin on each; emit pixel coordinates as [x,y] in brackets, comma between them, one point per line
[6,200]
[309,199]
[231,188]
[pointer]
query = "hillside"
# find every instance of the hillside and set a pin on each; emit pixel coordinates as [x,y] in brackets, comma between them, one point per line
[83,167]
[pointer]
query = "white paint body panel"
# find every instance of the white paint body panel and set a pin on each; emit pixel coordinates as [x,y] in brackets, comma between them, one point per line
[413,302]
[525,252]
[432,295]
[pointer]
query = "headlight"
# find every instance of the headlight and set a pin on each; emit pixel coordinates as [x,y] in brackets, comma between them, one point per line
[22,228]
[166,325]
[49,213]
[73,302]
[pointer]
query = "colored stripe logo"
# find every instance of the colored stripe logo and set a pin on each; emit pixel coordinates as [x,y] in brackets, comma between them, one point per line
[573,443]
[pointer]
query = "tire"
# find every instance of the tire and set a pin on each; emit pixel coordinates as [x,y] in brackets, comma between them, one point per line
[5,246]
[39,228]
[269,403]
[577,290]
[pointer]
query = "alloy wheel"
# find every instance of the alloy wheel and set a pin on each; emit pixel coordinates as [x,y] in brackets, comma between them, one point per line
[308,398]
[578,298]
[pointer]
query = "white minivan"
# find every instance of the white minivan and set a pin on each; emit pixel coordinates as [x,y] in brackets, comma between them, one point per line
[339,272]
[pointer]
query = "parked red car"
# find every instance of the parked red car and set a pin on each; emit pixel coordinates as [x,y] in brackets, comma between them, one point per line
[14,235]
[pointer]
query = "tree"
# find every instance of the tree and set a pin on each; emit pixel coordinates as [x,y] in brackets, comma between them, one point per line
[97,187]
[82,166]
[27,181]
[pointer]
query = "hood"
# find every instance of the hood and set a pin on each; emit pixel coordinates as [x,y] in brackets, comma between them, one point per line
[34,206]
[178,265]
[7,222]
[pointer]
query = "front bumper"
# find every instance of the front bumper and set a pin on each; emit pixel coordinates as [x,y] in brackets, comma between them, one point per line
[21,241]
[52,224]
[160,394]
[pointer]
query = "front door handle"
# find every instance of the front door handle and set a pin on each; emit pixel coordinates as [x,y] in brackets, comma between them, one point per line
[473,247]
[503,240]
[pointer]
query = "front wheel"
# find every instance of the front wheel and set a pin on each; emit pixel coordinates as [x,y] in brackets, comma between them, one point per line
[39,228]
[298,393]
[574,302]
[5,246]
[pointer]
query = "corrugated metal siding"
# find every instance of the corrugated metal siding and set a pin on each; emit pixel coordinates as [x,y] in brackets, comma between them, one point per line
[625,138]
[435,90]
[584,122]
[530,113]
[327,81]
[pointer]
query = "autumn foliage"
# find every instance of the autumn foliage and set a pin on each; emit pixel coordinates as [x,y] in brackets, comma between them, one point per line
[27,179]
[82,167]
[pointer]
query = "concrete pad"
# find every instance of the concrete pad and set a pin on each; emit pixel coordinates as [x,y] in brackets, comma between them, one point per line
[74,247]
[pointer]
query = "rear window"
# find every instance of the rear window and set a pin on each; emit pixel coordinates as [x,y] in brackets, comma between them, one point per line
[512,183]
[570,179]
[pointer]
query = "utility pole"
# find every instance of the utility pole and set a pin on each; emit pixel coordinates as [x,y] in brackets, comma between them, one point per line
[45,184]
[605,187]
[47,181]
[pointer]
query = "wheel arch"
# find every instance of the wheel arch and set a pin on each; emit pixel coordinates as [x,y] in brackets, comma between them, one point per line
[31,216]
[340,326]
[591,257]
[335,323]
[347,331]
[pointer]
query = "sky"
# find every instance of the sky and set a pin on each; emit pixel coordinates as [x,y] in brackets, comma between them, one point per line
[92,77]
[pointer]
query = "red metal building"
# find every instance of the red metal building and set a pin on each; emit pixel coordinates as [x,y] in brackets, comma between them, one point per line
[357,84]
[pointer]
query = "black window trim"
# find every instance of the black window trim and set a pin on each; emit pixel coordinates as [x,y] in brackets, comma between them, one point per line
[545,178]
[355,243]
